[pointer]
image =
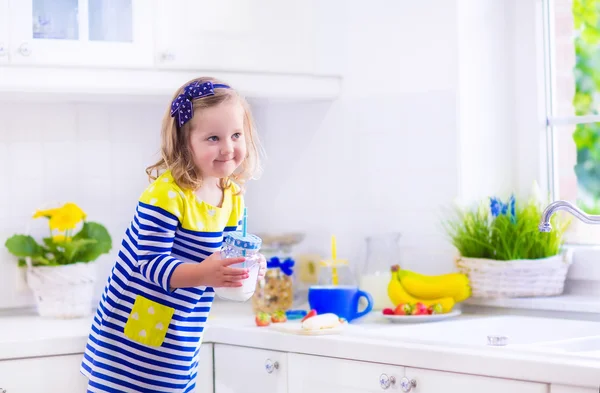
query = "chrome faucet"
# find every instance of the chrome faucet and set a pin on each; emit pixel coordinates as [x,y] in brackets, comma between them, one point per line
[567,206]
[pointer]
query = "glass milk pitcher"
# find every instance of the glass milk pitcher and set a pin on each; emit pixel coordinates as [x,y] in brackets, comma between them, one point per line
[383,251]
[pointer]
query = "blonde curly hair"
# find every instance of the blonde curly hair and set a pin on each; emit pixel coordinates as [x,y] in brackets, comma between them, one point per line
[176,154]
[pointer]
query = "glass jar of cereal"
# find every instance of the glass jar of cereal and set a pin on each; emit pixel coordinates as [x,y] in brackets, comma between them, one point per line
[275,291]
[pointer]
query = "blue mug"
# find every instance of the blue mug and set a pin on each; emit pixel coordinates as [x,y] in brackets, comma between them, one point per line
[342,300]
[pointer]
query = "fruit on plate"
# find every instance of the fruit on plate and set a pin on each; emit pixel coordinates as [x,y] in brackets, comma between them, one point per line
[262,319]
[403,309]
[435,309]
[420,309]
[454,285]
[278,317]
[398,295]
[414,309]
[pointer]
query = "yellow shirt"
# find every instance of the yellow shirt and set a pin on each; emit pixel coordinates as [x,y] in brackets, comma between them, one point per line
[192,213]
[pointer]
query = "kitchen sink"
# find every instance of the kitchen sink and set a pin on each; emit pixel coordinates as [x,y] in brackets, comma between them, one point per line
[477,330]
[581,346]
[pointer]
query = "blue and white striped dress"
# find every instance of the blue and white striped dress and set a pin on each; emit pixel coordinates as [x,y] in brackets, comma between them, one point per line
[145,336]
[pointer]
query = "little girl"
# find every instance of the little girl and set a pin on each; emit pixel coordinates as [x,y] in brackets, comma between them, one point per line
[147,331]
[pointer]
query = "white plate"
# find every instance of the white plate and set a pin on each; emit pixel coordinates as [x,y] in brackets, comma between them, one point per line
[296,328]
[420,318]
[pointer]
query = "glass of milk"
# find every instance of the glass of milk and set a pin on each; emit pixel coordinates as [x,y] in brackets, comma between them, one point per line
[383,251]
[235,244]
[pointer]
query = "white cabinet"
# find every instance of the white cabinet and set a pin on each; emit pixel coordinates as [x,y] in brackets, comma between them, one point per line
[428,381]
[44,374]
[4,29]
[98,33]
[204,380]
[249,370]
[572,389]
[315,374]
[236,35]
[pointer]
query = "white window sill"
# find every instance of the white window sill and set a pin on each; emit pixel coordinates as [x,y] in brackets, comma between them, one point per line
[580,299]
[586,262]
[570,303]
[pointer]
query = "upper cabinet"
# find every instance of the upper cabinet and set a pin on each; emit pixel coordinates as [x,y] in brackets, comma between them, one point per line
[98,33]
[4,31]
[234,35]
[266,48]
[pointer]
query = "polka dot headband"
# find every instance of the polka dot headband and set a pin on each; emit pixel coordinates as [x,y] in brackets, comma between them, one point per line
[182,105]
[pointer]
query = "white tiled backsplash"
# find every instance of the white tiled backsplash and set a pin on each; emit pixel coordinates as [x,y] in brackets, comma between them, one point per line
[90,154]
[357,167]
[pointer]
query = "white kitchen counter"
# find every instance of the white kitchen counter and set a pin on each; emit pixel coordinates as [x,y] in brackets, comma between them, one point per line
[28,335]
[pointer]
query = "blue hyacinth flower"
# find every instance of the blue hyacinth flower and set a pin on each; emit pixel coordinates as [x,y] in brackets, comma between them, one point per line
[499,208]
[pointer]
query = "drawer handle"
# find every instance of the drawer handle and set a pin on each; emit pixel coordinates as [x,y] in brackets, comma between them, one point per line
[386,381]
[407,384]
[271,366]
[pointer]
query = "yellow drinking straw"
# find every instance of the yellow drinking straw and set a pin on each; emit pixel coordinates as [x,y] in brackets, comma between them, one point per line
[334,273]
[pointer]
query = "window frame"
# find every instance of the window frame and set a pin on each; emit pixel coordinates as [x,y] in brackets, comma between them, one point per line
[585,256]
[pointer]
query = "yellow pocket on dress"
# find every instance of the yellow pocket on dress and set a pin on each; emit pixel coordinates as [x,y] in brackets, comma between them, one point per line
[148,322]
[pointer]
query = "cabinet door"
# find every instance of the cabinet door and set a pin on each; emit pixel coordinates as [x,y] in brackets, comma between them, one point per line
[45,374]
[428,381]
[572,389]
[205,34]
[102,33]
[4,31]
[204,380]
[316,374]
[235,35]
[249,370]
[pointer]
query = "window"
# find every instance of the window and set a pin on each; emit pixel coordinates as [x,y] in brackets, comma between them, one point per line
[572,55]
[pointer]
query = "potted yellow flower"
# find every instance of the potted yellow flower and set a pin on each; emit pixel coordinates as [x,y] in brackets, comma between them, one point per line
[60,271]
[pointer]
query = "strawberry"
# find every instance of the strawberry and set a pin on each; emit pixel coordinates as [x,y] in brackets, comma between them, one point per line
[311,313]
[436,308]
[403,309]
[388,311]
[420,309]
[278,317]
[262,319]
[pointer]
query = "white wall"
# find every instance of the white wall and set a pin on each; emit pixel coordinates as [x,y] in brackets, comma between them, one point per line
[486,132]
[381,158]
[91,154]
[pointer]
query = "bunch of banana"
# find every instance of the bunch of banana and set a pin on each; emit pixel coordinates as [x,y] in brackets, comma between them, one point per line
[410,287]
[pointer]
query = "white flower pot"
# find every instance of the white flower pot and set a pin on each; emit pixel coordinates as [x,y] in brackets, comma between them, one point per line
[65,291]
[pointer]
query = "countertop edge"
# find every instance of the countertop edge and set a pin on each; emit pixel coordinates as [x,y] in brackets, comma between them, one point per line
[490,362]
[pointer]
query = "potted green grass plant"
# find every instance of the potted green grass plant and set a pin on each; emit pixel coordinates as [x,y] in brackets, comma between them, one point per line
[503,252]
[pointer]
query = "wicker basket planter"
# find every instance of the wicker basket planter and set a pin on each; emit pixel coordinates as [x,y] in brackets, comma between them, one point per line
[63,291]
[516,278]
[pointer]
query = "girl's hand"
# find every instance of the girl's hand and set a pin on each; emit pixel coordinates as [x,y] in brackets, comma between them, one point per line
[263,266]
[216,272]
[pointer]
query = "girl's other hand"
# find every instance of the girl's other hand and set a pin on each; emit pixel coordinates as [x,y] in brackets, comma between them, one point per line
[263,266]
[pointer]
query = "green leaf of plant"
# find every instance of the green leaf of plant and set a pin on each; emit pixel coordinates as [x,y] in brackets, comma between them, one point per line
[50,244]
[102,245]
[40,260]
[23,246]
[74,247]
